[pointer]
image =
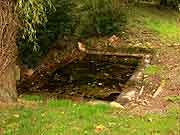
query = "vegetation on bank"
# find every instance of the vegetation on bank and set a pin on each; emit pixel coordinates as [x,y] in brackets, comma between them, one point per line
[83,19]
[164,22]
[71,19]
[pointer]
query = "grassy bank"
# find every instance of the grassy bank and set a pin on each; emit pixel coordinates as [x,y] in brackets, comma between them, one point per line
[164,22]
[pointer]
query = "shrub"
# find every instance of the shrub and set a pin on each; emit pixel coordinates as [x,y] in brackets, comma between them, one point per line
[174,3]
[171,3]
[77,19]
[100,17]
[62,21]
[84,18]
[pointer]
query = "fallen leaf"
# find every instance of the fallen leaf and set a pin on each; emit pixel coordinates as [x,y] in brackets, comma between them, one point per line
[16,115]
[99,128]
[43,114]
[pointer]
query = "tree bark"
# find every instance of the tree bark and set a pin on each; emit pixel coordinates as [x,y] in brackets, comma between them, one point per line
[8,84]
[8,52]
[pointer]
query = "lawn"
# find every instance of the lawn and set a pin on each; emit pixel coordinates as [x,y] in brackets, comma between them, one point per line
[64,117]
[164,22]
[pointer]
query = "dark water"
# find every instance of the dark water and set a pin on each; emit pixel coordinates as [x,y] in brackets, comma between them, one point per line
[94,76]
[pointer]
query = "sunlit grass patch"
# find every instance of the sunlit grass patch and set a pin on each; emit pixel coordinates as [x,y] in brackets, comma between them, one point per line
[31,98]
[152,69]
[162,21]
[174,99]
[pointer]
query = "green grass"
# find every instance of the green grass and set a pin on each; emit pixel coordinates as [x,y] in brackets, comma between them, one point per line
[63,117]
[165,22]
[152,69]
[32,98]
[174,99]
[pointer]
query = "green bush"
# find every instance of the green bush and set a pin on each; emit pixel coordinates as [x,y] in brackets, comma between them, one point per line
[62,21]
[84,18]
[100,17]
[171,3]
[174,3]
[77,19]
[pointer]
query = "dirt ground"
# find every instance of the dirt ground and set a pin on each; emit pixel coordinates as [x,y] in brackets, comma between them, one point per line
[167,57]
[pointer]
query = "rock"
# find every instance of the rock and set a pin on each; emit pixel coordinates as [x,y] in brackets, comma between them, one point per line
[160,89]
[113,39]
[106,74]
[126,97]
[130,95]
[116,105]
[28,72]
[147,59]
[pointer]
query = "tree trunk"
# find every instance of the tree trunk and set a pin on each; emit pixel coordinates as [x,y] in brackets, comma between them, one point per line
[8,84]
[7,52]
